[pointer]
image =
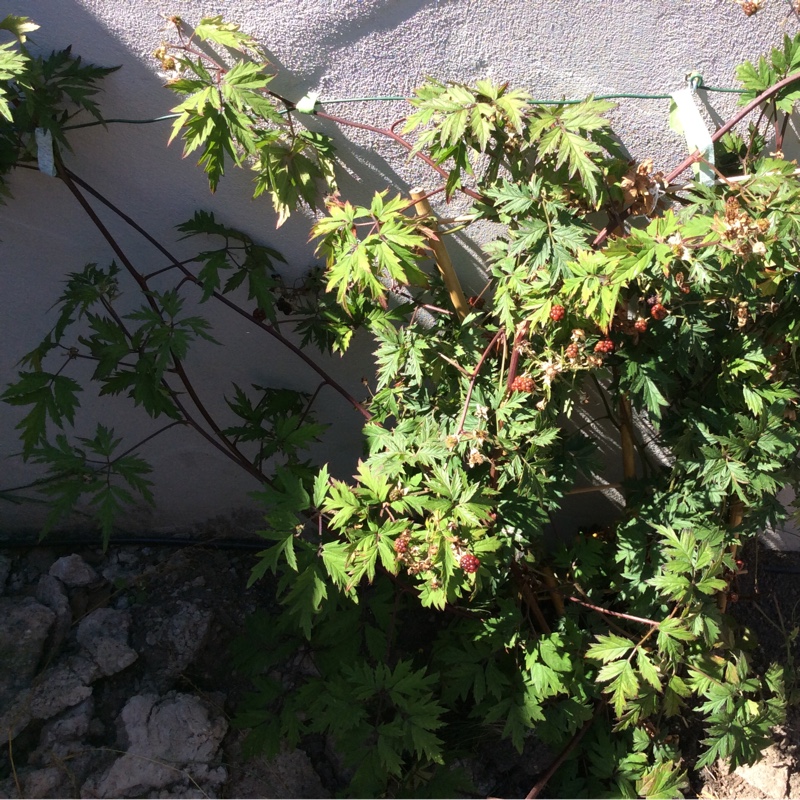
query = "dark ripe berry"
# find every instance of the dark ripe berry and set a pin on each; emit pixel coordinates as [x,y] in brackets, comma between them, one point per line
[469,563]
[401,543]
[557,313]
[259,315]
[522,383]
[658,311]
[283,305]
[733,597]
[571,351]
[604,346]
[640,325]
[476,302]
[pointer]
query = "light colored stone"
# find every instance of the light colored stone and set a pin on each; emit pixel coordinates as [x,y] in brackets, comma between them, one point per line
[73,571]
[165,737]
[24,628]
[176,639]
[60,688]
[62,736]
[104,634]
[769,775]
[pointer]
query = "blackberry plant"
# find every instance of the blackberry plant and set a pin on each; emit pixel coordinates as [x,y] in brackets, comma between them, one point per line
[429,592]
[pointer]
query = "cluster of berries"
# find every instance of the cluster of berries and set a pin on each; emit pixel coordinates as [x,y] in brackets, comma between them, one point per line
[604,346]
[522,383]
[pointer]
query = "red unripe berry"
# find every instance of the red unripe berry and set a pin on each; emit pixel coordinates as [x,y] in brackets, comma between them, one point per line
[259,315]
[640,324]
[522,383]
[733,597]
[469,563]
[571,351]
[604,346]
[557,313]
[401,544]
[658,311]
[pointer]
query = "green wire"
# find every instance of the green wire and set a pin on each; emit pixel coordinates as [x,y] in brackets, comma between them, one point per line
[339,101]
[394,98]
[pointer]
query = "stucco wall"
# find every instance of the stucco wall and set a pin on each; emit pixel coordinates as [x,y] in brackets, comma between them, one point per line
[341,48]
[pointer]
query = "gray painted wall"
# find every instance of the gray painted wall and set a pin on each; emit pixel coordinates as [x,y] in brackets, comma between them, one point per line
[341,48]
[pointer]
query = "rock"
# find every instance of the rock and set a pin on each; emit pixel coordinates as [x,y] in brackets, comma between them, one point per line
[8,788]
[50,592]
[288,774]
[73,571]
[104,634]
[61,687]
[62,737]
[770,775]
[43,783]
[176,640]
[167,739]
[24,628]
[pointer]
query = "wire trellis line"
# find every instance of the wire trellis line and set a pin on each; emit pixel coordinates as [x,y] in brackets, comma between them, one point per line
[697,85]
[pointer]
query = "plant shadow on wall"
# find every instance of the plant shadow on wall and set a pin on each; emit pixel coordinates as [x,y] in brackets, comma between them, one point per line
[423,591]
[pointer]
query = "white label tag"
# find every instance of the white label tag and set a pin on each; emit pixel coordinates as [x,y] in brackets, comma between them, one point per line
[307,104]
[44,152]
[685,118]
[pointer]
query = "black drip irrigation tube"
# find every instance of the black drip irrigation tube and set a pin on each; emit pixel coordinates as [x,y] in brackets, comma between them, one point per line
[140,541]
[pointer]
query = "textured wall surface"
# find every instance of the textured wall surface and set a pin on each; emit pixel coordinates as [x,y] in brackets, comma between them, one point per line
[341,48]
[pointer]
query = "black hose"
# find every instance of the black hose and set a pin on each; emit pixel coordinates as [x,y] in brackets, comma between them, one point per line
[140,541]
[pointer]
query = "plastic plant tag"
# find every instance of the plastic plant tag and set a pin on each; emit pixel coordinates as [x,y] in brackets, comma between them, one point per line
[307,104]
[685,118]
[44,152]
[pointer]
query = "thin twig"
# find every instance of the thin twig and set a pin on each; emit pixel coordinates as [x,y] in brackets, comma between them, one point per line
[401,141]
[227,446]
[603,487]
[619,614]
[521,333]
[562,756]
[270,329]
[471,387]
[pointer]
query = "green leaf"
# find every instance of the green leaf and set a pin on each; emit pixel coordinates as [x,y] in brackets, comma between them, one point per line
[53,397]
[609,647]
[662,782]
[227,34]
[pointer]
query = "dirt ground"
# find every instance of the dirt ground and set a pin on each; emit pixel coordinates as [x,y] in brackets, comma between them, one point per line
[152,581]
